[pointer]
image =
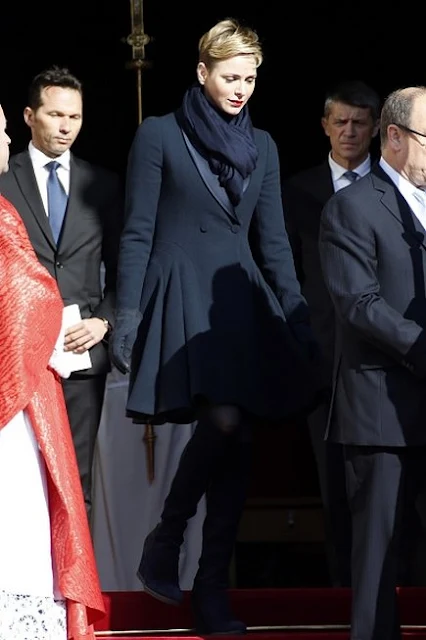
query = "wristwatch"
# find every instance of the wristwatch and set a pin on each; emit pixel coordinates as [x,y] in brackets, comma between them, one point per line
[107,324]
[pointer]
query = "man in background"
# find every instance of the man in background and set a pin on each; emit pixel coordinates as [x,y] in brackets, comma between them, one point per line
[73,213]
[350,120]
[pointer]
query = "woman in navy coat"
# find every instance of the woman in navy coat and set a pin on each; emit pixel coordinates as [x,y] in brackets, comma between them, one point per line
[209,330]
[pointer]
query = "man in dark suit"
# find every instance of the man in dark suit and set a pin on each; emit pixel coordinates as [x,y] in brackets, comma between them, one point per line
[72,211]
[350,120]
[372,248]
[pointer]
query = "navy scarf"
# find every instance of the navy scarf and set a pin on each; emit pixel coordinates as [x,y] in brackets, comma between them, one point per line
[226,142]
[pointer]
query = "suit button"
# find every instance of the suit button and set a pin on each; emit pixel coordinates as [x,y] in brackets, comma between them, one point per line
[408,365]
[235,228]
[203,229]
[59,265]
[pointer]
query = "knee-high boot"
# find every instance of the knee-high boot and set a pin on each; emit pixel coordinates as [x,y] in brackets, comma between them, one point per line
[159,566]
[225,500]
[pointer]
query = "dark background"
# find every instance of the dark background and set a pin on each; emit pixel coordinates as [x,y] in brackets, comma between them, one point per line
[308,47]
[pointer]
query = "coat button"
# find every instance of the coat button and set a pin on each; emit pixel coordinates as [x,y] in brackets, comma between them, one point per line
[203,229]
[234,228]
[59,265]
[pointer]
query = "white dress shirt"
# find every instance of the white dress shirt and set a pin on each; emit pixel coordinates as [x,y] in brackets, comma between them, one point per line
[337,172]
[415,197]
[39,161]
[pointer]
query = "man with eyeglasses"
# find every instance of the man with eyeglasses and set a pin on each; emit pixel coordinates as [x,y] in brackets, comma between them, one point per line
[350,121]
[373,256]
[416,133]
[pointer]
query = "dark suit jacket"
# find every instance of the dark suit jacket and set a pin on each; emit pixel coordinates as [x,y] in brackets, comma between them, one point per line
[304,196]
[89,237]
[373,256]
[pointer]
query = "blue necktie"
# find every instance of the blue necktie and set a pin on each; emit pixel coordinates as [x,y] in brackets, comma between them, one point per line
[56,200]
[351,175]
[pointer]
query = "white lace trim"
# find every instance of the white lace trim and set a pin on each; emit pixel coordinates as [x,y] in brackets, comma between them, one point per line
[32,618]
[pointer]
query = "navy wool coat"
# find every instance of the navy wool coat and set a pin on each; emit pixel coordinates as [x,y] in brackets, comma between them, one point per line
[223,319]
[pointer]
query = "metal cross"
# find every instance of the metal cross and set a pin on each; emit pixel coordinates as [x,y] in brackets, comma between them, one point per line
[138,40]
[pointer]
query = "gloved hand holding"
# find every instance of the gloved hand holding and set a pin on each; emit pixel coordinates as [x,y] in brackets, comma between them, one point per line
[123,338]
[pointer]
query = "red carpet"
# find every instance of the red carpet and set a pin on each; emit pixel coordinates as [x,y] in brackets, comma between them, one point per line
[302,635]
[271,614]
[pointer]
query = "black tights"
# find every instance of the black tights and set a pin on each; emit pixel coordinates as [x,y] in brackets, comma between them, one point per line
[215,463]
[229,420]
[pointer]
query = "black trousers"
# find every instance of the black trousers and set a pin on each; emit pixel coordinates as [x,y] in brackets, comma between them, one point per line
[383,486]
[84,398]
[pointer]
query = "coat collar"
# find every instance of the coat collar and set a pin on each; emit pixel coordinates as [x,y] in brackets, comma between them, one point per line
[211,181]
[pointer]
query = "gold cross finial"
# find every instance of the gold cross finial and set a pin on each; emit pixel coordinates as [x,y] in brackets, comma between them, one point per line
[138,40]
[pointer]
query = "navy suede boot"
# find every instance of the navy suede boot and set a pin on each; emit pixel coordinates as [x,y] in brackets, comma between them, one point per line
[159,567]
[212,614]
[225,500]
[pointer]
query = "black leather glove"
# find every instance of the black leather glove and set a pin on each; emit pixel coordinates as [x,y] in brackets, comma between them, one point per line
[123,338]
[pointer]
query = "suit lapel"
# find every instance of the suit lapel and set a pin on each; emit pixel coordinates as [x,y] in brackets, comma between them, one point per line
[322,183]
[72,211]
[398,207]
[27,182]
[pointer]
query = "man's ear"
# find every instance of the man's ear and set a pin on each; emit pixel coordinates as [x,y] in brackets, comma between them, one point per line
[28,116]
[395,136]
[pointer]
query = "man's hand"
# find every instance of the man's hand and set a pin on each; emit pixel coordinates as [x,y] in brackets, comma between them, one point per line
[83,336]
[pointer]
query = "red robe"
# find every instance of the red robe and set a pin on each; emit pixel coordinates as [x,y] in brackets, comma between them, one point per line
[30,320]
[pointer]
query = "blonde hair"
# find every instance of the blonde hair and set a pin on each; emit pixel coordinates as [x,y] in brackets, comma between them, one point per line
[227,39]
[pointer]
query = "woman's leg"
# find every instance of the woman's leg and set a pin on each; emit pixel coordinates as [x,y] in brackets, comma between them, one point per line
[203,454]
[225,499]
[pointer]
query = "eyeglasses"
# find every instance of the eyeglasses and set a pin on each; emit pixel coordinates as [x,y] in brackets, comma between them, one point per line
[404,128]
